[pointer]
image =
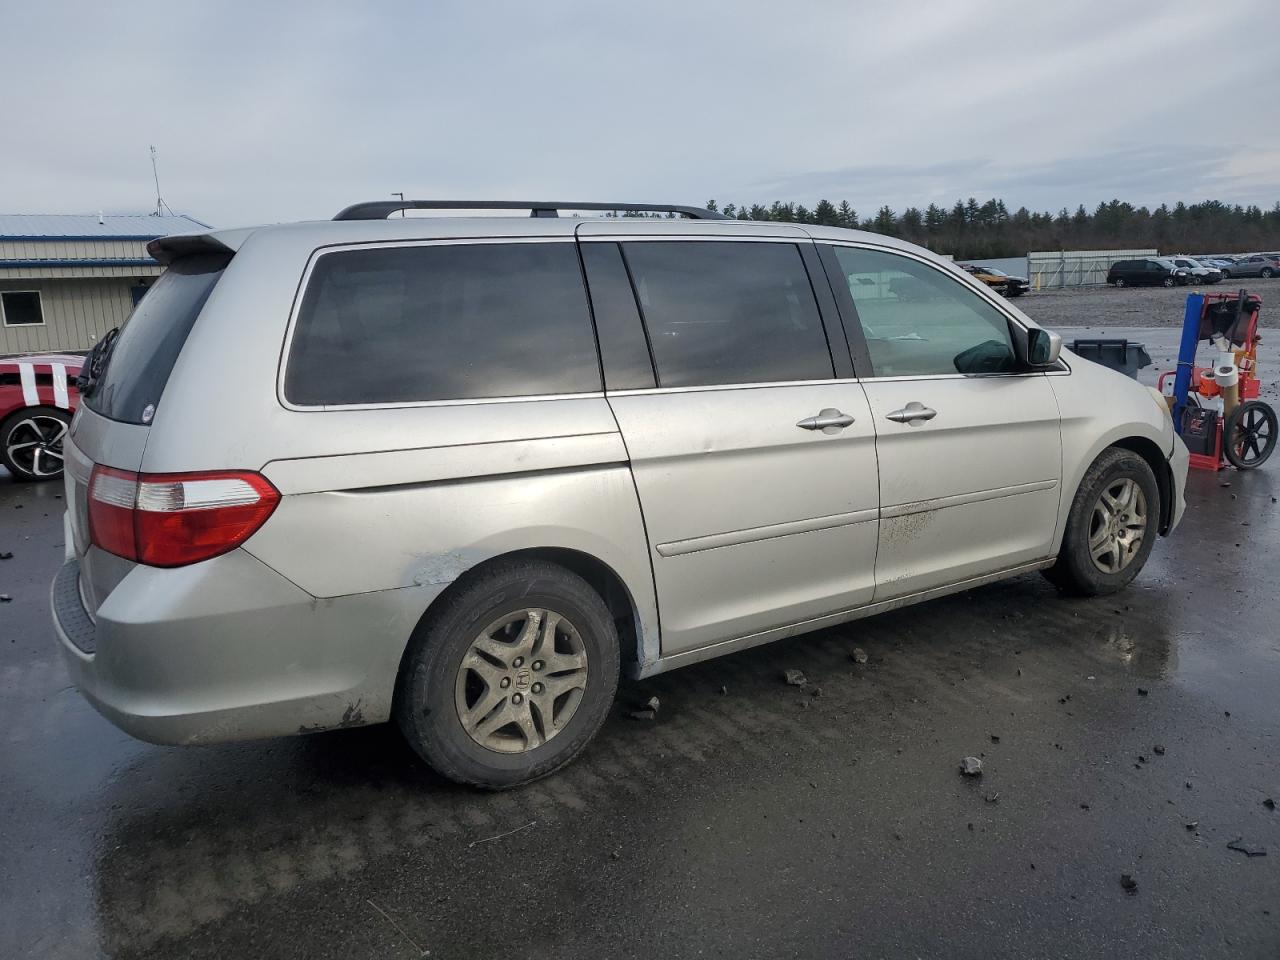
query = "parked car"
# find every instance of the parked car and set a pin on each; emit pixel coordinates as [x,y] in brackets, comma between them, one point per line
[461,473]
[1198,270]
[1264,265]
[998,280]
[38,396]
[1218,262]
[1153,271]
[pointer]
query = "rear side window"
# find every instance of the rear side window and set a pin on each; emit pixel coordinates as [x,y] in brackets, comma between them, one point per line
[724,312]
[442,322]
[142,357]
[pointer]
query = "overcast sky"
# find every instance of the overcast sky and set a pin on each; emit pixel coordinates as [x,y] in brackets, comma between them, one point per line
[270,111]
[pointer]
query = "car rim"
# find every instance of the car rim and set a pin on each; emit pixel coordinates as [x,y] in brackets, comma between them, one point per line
[1252,436]
[1118,525]
[34,445]
[521,681]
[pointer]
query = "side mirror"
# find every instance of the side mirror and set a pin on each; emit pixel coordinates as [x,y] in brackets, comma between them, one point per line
[1043,347]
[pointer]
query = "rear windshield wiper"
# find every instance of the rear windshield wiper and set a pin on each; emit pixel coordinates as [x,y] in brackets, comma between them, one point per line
[95,363]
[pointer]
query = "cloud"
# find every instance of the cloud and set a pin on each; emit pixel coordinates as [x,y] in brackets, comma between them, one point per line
[265,112]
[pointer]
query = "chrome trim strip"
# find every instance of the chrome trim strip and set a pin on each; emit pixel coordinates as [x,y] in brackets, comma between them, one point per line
[678,548]
[941,503]
[648,391]
[677,660]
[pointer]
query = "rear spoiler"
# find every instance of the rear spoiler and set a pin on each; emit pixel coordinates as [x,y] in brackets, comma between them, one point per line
[165,250]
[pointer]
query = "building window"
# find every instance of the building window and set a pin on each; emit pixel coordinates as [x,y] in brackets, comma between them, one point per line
[21,308]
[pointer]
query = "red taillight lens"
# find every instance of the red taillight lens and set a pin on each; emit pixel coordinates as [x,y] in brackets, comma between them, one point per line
[172,519]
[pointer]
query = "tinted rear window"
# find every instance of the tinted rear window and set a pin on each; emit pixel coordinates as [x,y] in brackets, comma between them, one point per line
[724,312]
[143,356]
[443,322]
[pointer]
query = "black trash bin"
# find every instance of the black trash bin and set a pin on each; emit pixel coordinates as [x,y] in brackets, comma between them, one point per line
[1123,355]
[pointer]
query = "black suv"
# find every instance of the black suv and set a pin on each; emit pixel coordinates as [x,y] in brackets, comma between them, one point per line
[1153,272]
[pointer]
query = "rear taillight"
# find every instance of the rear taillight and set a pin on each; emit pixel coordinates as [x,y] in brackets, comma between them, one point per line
[172,519]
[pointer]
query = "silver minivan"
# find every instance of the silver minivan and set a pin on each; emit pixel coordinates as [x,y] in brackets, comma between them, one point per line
[461,472]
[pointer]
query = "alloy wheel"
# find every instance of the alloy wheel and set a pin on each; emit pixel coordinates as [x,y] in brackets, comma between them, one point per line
[521,681]
[1118,525]
[34,445]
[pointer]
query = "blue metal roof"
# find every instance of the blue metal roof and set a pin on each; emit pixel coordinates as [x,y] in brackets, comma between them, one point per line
[64,226]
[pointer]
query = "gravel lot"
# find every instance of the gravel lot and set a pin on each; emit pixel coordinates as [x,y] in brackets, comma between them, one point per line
[1131,307]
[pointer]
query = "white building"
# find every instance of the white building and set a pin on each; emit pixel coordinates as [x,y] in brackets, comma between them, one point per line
[65,280]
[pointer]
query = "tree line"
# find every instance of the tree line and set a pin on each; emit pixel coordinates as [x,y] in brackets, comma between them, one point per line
[970,230]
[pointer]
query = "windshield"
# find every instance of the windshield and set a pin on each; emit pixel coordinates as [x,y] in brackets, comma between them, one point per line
[135,368]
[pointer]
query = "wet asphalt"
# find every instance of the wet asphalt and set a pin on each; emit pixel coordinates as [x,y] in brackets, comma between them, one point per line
[1138,734]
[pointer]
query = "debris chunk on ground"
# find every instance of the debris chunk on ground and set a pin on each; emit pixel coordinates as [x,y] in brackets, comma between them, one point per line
[1142,691]
[653,703]
[995,738]
[1269,803]
[971,767]
[643,715]
[1246,847]
[5,598]
[1128,883]
[794,678]
[1158,749]
[859,655]
[1191,824]
[6,554]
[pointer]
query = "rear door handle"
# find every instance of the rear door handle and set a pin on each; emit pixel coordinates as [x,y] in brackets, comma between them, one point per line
[912,412]
[829,420]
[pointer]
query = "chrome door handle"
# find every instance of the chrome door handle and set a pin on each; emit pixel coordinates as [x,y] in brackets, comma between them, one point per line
[828,420]
[912,412]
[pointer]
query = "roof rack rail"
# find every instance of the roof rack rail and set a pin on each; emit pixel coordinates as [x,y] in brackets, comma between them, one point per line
[381,209]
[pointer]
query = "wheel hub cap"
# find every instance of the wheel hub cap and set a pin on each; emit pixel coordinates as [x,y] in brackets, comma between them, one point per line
[521,681]
[1117,526]
[35,445]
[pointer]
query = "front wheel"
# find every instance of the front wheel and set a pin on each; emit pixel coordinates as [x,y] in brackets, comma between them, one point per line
[1119,281]
[1168,281]
[31,442]
[1249,435]
[1112,526]
[511,678]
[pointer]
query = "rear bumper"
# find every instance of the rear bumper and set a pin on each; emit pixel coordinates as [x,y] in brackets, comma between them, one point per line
[230,650]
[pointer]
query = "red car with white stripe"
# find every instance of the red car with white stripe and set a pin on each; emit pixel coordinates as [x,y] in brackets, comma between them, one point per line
[38,395]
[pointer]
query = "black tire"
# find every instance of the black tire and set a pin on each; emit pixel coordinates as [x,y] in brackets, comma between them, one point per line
[1267,273]
[1226,274]
[1075,571]
[425,706]
[1249,435]
[19,429]
[1168,282]
[1119,281]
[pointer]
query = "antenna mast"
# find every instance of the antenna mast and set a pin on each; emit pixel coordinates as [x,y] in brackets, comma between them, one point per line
[161,206]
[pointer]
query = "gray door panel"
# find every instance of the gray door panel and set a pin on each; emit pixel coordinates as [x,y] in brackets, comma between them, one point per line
[971,490]
[753,522]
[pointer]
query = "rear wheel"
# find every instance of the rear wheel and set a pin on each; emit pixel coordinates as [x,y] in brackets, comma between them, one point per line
[31,442]
[1112,526]
[1268,272]
[1249,435]
[1168,282]
[512,678]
